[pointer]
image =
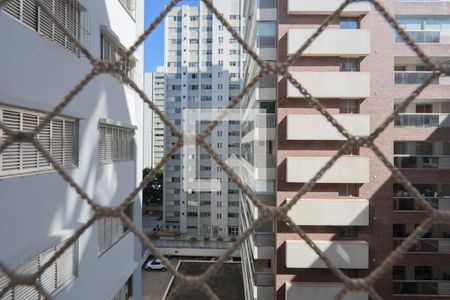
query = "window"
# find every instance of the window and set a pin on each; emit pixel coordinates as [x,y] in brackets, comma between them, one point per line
[267,32]
[59,138]
[111,51]
[349,23]
[130,7]
[115,143]
[233,230]
[349,106]
[348,190]
[348,232]
[110,230]
[349,65]
[126,292]
[61,271]
[422,273]
[219,216]
[70,13]
[399,273]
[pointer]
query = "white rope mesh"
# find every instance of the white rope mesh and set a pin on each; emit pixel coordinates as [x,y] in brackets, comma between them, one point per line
[266,212]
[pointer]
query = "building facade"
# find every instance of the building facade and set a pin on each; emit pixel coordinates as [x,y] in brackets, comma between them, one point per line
[359,69]
[358,214]
[258,148]
[97,138]
[154,85]
[203,73]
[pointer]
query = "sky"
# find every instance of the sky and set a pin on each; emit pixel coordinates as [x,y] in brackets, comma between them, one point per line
[154,44]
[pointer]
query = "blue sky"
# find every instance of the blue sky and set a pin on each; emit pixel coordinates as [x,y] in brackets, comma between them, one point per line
[154,44]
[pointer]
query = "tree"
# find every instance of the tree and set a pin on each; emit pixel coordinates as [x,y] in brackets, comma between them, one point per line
[152,194]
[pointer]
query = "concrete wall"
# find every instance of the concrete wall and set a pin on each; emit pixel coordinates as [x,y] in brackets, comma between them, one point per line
[40,210]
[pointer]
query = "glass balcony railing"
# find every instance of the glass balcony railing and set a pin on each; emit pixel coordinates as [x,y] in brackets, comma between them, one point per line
[413,77]
[423,37]
[422,287]
[429,245]
[409,204]
[420,120]
[422,162]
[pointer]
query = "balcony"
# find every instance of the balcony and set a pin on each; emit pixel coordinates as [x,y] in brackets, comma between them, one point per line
[409,204]
[308,7]
[317,128]
[426,245]
[332,42]
[421,287]
[335,212]
[343,85]
[343,254]
[422,162]
[426,36]
[417,78]
[347,169]
[422,120]
[319,290]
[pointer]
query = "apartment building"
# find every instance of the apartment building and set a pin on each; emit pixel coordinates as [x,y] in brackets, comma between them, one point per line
[203,73]
[258,148]
[357,214]
[97,139]
[154,86]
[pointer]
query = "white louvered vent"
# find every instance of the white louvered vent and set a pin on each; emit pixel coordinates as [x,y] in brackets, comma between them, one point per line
[54,277]
[110,230]
[115,143]
[68,12]
[60,138]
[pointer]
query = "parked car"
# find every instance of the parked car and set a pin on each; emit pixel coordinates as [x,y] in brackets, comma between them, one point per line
[155,264]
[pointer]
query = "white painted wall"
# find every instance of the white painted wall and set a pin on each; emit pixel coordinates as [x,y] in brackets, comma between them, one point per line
[40,210]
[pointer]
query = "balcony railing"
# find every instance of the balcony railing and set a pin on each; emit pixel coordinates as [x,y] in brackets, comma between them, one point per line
[436,245]
[409,204]
[413,77]
[426,37]
[422,120]
[421,287]
[263,279]
[422,162]
[191,244]
[264,239]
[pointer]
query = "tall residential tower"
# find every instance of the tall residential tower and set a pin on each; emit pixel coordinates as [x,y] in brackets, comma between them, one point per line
[203,73]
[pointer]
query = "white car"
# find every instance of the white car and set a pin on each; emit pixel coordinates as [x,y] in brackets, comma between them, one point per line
[155,264]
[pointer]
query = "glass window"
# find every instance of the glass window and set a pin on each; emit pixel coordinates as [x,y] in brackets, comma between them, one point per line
[267,29]
[349,23]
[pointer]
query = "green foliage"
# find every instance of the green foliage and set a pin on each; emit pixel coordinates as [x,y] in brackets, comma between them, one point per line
[206,239]
[193,240]
[152,194]
[220,239]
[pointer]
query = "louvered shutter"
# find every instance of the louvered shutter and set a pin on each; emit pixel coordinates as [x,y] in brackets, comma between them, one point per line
[101,235]
[45,23]
[66,264]
[115,143]
[11,155]
[69,143]
[60,13]
[102,144]
[44,140]
[48,277]
[30,13]
[30,159]
[26,292]
[108,148]
[108,232]
[72,24]
[3,283]
[12,7]
[57,140]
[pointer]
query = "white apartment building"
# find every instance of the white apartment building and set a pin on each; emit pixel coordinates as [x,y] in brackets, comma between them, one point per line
[154,87]
[203,73]
[257,149]
[97,138]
